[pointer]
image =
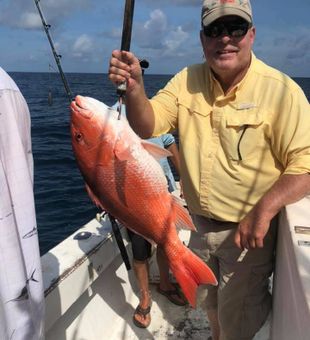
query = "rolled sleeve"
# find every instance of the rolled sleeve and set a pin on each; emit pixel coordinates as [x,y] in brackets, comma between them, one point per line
[291,137]
[168,139]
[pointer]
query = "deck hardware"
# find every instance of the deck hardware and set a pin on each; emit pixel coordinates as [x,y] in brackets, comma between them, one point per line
[304,243]
[83,235]
[100,216]
[302,230]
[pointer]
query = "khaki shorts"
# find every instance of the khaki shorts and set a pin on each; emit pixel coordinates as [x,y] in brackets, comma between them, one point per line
[242,297]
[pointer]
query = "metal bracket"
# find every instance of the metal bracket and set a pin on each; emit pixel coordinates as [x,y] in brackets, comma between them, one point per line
[302,230]
[304,243]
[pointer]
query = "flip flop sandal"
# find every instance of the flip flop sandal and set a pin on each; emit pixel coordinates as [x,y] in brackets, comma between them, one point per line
[169,294]
[143,312]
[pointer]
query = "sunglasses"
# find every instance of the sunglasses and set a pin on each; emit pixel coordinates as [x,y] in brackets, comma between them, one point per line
[235,29]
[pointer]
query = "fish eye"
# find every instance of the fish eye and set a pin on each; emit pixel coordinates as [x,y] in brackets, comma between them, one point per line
[78,136]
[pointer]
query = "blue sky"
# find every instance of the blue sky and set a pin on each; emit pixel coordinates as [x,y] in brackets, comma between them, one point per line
[166,32]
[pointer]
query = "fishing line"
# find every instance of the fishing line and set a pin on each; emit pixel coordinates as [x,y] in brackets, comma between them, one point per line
[57,56]
[50,96]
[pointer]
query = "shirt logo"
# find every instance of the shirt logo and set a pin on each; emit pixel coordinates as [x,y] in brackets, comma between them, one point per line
[246,106]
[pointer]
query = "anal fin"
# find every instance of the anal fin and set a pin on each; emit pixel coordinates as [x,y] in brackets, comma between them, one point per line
[93,197]
[183,219]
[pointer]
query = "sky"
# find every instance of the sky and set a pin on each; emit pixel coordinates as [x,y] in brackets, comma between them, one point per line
[165,32]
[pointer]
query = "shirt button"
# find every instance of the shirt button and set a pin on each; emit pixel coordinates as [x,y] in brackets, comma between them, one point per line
[210,155]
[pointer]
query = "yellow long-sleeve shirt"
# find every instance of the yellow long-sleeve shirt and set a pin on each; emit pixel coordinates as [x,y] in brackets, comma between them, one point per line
[234,147]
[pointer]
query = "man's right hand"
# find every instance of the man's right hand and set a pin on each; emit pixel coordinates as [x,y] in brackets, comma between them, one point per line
[125,67]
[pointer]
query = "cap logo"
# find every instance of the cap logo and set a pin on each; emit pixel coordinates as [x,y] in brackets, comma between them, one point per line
[223,2]
[214,9]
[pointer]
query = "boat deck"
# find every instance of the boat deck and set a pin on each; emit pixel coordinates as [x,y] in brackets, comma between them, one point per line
[170,322]
[90,295]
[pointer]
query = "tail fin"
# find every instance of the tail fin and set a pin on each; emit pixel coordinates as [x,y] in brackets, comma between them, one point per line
[190,271]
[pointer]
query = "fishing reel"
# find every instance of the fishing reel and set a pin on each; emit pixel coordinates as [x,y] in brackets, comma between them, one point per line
[144,64]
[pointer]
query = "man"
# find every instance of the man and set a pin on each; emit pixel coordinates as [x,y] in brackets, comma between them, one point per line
[142,249]
[245,154]
[21,284]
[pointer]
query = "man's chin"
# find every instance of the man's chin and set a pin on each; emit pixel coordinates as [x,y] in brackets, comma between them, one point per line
[224,66]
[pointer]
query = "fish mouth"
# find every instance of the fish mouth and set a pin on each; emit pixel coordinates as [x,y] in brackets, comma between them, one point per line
[79,107]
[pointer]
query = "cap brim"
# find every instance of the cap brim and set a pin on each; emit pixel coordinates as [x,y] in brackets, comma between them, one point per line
[222,12]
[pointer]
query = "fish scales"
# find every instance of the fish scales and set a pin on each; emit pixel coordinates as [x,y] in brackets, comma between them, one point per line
[124,178]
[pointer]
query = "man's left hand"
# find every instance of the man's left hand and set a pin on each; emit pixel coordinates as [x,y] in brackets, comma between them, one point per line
[251,231]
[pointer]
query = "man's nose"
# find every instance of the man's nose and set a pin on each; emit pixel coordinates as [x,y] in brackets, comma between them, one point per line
[224,37]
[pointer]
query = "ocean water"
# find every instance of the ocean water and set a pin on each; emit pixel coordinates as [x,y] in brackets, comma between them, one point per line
[62,204]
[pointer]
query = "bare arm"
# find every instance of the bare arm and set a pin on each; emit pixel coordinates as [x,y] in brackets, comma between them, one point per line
[124,66]
[255,225]
[175,158]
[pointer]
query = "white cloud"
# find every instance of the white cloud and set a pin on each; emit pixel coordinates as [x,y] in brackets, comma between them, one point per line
[175,41]
[24,14]
[151,33]
[157,22]
[29,20]
[157,34]
[83,45]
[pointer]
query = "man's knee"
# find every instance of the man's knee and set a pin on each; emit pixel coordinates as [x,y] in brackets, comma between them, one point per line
[242,321]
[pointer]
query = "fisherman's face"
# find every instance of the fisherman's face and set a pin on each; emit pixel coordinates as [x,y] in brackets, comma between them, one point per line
[228,55]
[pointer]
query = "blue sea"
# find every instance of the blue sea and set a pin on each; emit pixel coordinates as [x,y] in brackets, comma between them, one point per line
[62,204]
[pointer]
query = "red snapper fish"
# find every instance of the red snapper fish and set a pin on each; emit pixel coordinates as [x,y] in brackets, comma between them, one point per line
[124,178]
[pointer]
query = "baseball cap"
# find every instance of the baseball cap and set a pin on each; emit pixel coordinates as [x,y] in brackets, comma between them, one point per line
[215,9]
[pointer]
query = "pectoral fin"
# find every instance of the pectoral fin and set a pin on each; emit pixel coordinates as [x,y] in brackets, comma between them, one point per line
[122,151]
[156,151]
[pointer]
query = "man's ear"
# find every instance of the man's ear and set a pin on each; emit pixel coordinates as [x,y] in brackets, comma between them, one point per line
[253,34]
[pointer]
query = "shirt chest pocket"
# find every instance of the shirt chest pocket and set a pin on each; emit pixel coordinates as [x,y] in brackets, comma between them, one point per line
[242,135]
[194,121]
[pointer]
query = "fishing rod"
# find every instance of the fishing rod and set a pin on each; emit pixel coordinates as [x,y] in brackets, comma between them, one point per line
[126,38]
[127,25]
[121,90]
[56,55]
